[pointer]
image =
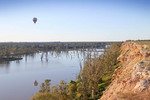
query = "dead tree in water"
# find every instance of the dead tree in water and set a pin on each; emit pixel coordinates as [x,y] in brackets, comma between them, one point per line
[46,56]
[42,56]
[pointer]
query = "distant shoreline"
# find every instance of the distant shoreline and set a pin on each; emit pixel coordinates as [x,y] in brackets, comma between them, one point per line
[10,59]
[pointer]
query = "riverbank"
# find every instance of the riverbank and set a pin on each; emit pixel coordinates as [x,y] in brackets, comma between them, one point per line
[10,59]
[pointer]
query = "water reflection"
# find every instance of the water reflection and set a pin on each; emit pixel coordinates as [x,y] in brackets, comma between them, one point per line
[5,64]
[18,61]
[35,83]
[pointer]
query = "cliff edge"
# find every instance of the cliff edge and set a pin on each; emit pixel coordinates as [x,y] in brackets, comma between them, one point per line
[132,79]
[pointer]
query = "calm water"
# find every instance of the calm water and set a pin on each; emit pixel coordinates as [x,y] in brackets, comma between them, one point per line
[17,77]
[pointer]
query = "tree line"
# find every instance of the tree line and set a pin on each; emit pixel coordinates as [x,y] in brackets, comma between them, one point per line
[8,50]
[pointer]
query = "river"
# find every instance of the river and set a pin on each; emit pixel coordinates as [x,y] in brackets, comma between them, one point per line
[17,77]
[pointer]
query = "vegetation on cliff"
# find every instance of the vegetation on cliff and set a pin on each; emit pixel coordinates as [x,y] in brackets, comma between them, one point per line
[94,78]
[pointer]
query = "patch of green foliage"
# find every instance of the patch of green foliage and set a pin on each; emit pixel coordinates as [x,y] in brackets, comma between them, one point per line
[106,78]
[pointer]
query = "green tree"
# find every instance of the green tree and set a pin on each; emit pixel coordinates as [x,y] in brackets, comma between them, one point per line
[72,89]
[45,87]
[63,92]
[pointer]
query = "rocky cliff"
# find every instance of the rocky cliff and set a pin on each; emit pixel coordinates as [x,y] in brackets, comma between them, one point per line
[132,79]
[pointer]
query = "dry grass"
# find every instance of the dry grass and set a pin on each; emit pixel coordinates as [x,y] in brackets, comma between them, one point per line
[135,96]
[146,42]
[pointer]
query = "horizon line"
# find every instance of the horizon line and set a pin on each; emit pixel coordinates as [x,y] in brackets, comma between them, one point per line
[56,41]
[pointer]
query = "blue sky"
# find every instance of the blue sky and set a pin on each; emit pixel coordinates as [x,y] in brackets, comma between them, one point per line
[74,20]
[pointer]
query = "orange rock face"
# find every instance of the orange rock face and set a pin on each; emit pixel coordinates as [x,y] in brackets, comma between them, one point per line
[133,76]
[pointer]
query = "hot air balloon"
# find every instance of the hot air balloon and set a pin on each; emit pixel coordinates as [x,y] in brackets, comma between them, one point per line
[34,20]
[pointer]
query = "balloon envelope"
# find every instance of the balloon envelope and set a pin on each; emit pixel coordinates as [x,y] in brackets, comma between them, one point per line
[34,19]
